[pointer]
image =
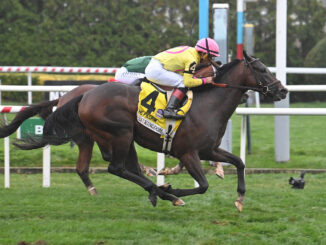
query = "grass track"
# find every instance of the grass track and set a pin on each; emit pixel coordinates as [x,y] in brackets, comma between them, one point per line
[65,213]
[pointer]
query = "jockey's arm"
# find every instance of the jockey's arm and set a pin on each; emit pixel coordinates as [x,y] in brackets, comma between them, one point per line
[188,76]
[190,81]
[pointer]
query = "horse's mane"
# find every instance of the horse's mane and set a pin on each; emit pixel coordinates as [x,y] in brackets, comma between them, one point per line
[201,66]
[225,68]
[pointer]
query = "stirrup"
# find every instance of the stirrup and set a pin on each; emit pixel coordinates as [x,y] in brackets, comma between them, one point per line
[172,114]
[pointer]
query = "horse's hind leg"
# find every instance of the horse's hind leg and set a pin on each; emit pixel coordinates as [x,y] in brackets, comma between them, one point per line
[135,168]
[82,168]
[140,169]
[134,174]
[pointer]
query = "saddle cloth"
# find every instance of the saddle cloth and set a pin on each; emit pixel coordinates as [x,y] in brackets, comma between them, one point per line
[152,102]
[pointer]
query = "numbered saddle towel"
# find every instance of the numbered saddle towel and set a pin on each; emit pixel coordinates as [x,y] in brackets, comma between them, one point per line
[152,102]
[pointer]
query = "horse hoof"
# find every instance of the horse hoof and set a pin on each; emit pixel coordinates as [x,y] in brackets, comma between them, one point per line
[239,205]
[220,175]
[92,191]
[178,202]
[162,172]
[153,200]
[219,171]
[150,172]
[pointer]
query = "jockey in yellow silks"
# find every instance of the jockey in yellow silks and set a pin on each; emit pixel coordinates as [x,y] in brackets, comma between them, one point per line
[176,67]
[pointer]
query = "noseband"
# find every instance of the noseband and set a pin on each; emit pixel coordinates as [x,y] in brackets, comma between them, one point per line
[262,88]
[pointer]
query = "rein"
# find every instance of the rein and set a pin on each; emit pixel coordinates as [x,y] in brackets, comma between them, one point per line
[226,85]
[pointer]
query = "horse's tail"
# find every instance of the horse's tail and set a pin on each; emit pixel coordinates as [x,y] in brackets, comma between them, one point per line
[43,109]
[60,127]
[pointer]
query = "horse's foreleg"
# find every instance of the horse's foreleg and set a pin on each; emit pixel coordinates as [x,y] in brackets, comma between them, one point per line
[192,163]
[149,171]
[175,170]
[85,154]
[224,156]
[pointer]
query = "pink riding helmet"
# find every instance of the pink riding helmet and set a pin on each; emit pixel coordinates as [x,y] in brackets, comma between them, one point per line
[209,46]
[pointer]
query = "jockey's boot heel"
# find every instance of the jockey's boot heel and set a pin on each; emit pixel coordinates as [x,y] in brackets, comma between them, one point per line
[171,110]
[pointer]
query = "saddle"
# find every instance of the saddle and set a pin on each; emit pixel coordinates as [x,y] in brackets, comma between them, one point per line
[152,101]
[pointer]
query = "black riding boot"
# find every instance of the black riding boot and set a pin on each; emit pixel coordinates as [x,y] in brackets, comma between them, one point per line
[174,104]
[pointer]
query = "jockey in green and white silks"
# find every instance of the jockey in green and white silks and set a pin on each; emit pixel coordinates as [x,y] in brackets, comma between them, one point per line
[133,70]
[175,67]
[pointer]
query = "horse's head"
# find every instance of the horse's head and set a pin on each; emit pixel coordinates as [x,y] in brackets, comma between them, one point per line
[262,80]
[256,76]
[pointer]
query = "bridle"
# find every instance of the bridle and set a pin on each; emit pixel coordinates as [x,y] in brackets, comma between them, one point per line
[261,87]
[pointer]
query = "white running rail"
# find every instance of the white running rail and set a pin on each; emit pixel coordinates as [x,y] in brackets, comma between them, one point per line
[160,157]
[271,111]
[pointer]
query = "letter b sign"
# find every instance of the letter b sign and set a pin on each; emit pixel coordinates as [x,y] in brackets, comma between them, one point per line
[32,127]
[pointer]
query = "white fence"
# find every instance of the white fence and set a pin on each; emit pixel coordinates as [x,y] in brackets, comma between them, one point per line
[18,88]
[14,109]
[160,156]
[283,111]
[58,69]
[271,111]
[54,69]
[301,70]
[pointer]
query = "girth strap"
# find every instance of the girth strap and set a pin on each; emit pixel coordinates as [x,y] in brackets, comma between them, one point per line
[168,137]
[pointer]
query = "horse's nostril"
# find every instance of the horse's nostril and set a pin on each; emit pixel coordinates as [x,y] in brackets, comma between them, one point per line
[284,91]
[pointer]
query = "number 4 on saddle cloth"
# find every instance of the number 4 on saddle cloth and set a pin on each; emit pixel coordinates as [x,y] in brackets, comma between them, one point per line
[152,102]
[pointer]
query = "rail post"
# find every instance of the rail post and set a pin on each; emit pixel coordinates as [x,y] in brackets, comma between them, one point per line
[160,166]
[282,124]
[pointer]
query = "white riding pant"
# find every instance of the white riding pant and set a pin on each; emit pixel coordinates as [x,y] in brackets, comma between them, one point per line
[124,76]
[156,73]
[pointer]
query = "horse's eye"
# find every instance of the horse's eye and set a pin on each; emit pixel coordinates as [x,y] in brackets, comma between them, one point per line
[262,69]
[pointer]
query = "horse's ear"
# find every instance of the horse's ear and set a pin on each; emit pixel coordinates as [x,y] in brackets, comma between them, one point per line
[245,55]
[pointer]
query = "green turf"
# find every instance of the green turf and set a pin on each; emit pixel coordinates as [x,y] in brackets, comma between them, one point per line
[121,214]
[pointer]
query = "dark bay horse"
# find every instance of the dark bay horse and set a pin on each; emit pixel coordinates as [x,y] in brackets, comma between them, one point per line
[85,148]
[107,114]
